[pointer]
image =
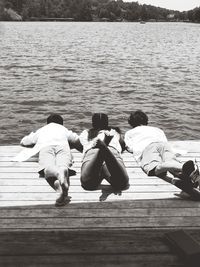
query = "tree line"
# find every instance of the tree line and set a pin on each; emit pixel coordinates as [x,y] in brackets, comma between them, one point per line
[93,10]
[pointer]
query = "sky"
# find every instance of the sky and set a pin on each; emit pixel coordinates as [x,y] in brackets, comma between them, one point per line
[181,5]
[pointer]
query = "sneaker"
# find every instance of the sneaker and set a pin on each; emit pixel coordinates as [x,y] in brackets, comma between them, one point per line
[190,172]
[188,188]
[187,169]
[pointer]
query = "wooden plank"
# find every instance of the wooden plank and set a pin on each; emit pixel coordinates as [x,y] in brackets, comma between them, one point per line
[185,245]
[99,222]
[39,200]
[91,260]
[12,175]
[5,161]
[73,181]
[184,144]
[77,164]
[78,189]
[85,196]
[125,204]
[84,242]
[129,242]
[69,211]
[34,175]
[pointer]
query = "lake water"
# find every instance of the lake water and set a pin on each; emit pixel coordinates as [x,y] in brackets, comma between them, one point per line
[76,69]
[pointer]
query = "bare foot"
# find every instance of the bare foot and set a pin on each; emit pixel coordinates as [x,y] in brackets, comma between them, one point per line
[98,143]
[65,188]
[57,186]
[107,139]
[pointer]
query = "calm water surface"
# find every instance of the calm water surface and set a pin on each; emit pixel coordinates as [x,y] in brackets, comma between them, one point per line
[76,69]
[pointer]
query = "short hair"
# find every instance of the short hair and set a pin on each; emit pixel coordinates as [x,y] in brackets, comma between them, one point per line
[100,121]
[55,118]
[138,118]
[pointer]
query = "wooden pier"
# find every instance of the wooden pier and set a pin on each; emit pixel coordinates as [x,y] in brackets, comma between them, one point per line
[96,228]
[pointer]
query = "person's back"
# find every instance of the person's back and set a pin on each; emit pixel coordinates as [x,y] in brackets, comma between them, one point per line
[138,138]
[52,134]
[141,135]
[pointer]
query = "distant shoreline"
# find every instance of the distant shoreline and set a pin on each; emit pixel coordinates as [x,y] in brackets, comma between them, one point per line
[92,10]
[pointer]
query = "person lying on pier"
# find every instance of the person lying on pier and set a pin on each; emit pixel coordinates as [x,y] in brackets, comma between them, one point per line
[102,147]
[152,151]
[52,141]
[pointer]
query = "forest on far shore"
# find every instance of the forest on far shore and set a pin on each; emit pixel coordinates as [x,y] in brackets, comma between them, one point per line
[90,10]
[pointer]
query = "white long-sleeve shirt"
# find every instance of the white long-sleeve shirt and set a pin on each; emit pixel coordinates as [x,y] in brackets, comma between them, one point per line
[138,138]
[50,134]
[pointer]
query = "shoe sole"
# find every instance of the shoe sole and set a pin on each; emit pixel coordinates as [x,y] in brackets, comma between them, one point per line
[189,189]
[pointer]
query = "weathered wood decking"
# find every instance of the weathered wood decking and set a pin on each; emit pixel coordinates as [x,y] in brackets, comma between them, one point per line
[125,230]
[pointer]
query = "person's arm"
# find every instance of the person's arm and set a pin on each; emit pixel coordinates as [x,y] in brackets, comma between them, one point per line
[76,145]
[128,142]
[29,140]
[121,139]
[122,143]
[74,141]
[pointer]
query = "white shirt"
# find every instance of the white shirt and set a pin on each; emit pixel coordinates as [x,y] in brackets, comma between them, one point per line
[50,134]
[138,138]
[88,144]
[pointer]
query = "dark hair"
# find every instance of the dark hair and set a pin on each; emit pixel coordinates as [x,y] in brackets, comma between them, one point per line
[99,122]
[138,118]
[55,118]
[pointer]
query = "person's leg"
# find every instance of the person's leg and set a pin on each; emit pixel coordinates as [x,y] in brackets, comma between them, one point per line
[52,177]
[63,162]
[172,165]
[47,160]
[186,171]
[186,186]
[91,169]
[118,175]
[169,161]
[47,165]
[153,164]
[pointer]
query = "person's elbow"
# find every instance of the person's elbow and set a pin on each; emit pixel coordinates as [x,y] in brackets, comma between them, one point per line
[76,145]
[26,143]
